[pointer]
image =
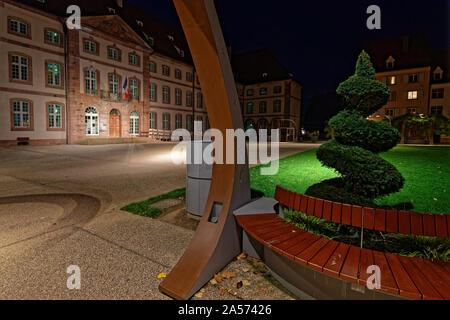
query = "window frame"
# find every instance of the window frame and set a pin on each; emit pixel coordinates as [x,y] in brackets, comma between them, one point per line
[30,68]
[178,74]
[280,106]
[252,105]
[30,114]
[97,46]
[61,74]
[261,104]
[168,95]
[189,98]
[133,125]
[138,84]
[61,39]
[441,108]
[97,80]
[18,33]
[119,53]
[154,120]
[138,59]
[119,77]
[155,92]
[412,91]
[199,104]
[154,64]
[165,67]
[437,93]
[63,117]
[164,121]
[178,96]
[179,124]
[97,115]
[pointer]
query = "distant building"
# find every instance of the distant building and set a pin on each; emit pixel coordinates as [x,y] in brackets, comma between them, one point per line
[124,75]
[419,79]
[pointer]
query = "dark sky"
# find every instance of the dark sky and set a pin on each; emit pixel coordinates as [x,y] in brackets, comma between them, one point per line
[318,41]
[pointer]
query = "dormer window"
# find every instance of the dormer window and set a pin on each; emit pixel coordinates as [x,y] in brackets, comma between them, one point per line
[111,10]
[170,37]
[390,62]
[140,23]
[265,75]
[437,74]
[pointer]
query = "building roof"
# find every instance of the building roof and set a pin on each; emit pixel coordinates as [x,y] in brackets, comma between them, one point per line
[258,66]
[167,39]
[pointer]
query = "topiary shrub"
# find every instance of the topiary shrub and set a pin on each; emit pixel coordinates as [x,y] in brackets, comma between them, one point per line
[353,153]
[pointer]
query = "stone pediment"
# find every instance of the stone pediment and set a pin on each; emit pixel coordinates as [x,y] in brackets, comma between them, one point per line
[115,27]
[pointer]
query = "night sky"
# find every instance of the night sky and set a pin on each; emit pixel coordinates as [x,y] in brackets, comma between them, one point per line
[318,41]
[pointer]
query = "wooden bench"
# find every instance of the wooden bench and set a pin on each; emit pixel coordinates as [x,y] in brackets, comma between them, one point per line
[411,278]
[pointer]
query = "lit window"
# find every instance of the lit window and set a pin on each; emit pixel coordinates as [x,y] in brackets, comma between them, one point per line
[412,95]
[18,27]
[392,80]
[22,114]
[20,69]
[250,107]
[53,74]
[54,116]
[113,53]
[90,46]
[263,91]
[134,123]
[91,82]
[91,121]
[134,89]
[52,37]
[114,83]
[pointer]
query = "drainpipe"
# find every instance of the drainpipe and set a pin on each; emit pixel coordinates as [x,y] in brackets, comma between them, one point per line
[66,78]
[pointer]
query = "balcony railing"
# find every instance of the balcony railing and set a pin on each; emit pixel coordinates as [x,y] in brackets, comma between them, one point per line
[110,96]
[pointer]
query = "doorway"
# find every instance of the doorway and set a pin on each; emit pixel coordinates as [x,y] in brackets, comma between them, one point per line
[114,124]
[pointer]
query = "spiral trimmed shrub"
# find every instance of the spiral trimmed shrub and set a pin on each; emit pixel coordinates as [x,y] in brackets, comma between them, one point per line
[353,153]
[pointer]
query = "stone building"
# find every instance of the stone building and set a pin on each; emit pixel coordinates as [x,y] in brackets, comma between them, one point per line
[125,75]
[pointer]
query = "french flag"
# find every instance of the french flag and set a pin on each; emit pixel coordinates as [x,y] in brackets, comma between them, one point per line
[126,89]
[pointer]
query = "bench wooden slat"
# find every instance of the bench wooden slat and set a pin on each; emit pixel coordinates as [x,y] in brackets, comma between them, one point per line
[441,225]
[266,237]
[262,229]
[304,204]
[321,258]
[334,264]
[284,237]
[437,275]
[311,251]
[346,214]
[282,196]
[336,212]
[448,224]
[391,221]
[296,249]
[291,199]
[416,224]
[404,222]
[318,208]
[429,226]
[368,218]
[357,216]
[387,283]
[350,268]
[261,219]
[406,286]
[297,201]
[366,261]
[311,205]
[380,220]
[326,213]
[282,247]
[426,289]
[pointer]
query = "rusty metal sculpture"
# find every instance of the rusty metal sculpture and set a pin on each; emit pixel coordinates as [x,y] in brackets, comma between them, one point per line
[218,238]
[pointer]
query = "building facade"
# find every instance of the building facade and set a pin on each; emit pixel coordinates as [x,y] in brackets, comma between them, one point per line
[124,75]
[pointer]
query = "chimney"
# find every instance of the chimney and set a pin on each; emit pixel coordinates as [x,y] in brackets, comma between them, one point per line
[119,3]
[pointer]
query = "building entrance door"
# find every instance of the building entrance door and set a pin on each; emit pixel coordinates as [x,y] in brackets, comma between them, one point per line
[114,123]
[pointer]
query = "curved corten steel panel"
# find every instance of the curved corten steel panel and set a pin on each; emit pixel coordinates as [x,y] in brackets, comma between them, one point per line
[215,243]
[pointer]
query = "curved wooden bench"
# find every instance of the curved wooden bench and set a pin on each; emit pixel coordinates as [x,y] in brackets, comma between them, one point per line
[411,278]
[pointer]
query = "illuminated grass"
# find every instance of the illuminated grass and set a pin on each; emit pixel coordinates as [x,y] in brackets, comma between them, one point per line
[426,171]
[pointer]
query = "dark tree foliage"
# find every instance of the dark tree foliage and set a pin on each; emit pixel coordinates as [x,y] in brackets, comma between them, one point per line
[353,153]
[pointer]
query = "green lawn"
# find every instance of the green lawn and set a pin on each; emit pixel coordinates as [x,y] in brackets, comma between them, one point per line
[426,171]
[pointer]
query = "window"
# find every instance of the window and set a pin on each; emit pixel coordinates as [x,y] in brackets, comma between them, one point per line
[53,74]
[277,106]
[413,78]
[389,112]
[189,98]
[412,110]
[412,95]
[391,80]
[19,27]
[437,93]
[178,97]
[114,83]
[393,96]
[114,53]
[263,107]
[178,121]
[20,68]
[152,66]
[390,65]
[133,59]
[153,120]
[436,109]
[54,112]
[91,81]
[437,76]
[152,92]
[189,122]
[250,92]
[166,70]
[263,91]
[178,74]
[134,123]
[166,94]
[250,107]
[277,89]
[199,100]
[166,121]
[189,76]
[52,37]
[90,46]
[91,121]
[134,89]
[22,115]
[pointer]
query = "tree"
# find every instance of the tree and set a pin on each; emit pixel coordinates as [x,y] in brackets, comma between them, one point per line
[353,153]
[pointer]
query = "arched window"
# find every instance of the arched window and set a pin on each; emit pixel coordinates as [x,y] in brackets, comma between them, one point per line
[134,123]
[91,121]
